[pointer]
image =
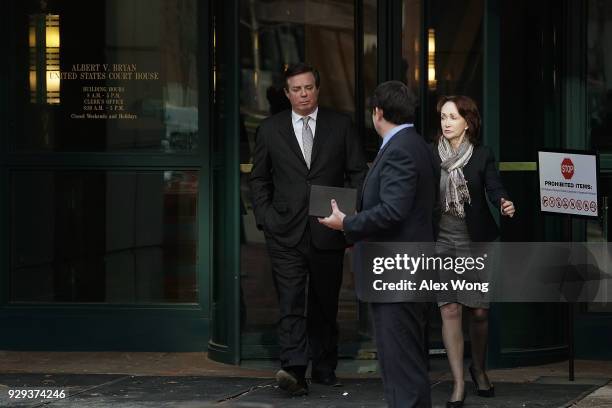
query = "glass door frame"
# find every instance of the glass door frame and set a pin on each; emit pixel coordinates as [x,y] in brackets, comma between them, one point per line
[224,343]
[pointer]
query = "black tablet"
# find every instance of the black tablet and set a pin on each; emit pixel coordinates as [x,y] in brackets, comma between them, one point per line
[321,196]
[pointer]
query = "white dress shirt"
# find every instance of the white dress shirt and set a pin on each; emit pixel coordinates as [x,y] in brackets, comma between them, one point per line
[298,124]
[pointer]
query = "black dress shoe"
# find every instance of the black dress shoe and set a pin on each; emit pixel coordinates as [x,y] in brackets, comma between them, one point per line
[456,404]
[326,379]
[296,386]
[487,393]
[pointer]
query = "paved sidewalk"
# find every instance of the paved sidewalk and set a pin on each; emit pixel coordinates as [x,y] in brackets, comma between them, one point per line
[119,391]
[601,398]
[189,380]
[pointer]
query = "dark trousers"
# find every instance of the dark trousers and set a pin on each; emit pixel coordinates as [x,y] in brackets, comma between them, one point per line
[308,319]
[399,330]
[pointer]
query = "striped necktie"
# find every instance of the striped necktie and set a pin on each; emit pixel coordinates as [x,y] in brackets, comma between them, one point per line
[307,140]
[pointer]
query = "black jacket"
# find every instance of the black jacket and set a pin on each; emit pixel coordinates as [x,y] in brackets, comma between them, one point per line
[483,181]
[399,194]
[280,180]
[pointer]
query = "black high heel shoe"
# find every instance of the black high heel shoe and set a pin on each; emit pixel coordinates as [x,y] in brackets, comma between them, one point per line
[456,404]
[488,393]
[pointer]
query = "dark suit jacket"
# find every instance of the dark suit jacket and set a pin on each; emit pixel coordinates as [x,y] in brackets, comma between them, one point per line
[280,180]
[399,194]
[483,182]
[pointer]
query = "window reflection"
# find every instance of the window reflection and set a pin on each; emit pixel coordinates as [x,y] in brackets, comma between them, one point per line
[411,43]
[599,231]
[274,34]
[104,236]
[599,105]
[370,74]
[599,74]
[126,71]
[456,30]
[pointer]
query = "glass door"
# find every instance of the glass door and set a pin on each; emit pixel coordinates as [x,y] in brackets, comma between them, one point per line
[333,36]
[592,322]
[453,57]
[273,34]
[105,175]
[594,319]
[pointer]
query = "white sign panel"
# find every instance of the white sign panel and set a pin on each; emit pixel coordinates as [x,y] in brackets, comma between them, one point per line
[568,183]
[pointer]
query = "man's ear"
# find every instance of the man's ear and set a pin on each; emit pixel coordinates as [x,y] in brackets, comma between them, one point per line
[378,113]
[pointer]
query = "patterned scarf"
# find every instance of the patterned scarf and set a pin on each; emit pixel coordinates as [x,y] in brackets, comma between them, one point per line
[452,182]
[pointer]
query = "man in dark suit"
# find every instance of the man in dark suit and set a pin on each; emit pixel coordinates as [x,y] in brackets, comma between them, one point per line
[397,205]
[295,149]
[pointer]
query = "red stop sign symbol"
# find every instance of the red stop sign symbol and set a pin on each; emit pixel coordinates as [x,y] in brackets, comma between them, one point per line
[567,168]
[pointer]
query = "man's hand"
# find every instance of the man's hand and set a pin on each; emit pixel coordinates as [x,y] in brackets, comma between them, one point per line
[334,221]
[507,208]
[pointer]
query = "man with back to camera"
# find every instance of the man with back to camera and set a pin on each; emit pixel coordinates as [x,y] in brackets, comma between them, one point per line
[295,149]
[397,204]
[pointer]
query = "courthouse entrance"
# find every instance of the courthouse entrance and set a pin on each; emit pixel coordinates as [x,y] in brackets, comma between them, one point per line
[436,48]
[127,132]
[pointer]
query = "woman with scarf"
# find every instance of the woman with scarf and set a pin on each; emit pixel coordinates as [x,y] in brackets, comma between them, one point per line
[468,177]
